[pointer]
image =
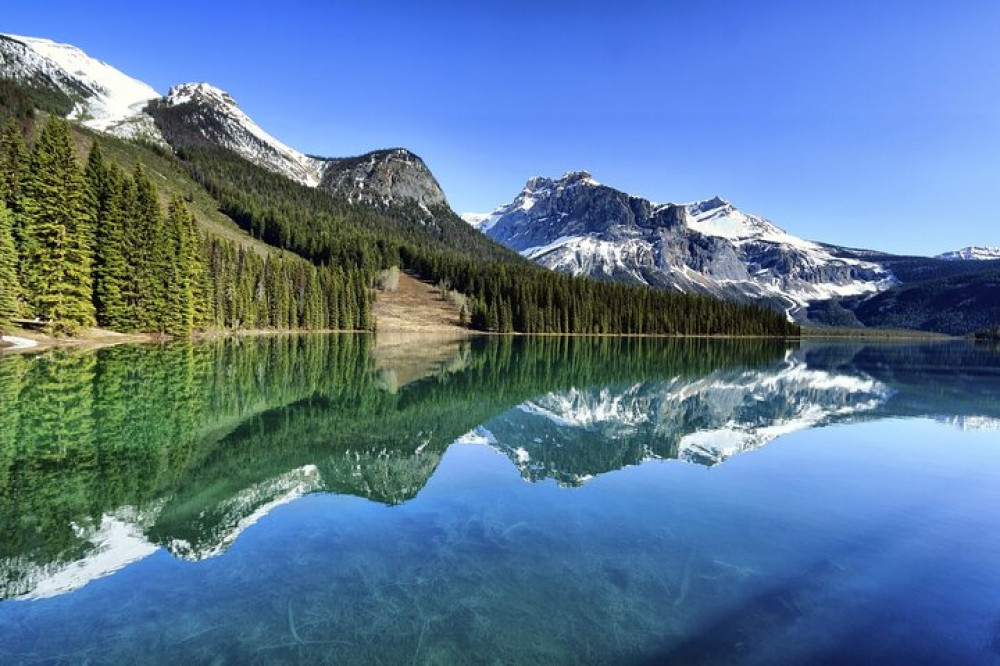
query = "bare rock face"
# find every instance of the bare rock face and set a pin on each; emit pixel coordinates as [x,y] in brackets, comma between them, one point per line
[383,178]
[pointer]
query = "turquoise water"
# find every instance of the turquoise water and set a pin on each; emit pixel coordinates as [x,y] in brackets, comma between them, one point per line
[302,500]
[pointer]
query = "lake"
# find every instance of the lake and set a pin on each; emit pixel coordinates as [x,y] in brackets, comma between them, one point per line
[320,499]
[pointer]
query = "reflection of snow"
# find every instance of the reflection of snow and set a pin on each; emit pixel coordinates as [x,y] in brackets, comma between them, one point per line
[715,446]
[119,540]
[704,420]
[18,343]
[579,409]
[274,492]
[478,435]
[970,422]
[116,544]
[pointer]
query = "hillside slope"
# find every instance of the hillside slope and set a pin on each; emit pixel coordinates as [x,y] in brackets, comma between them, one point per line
[417,307]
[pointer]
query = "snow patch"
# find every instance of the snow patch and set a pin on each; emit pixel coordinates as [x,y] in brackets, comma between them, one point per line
[481,221]
[478,435]
[17,343]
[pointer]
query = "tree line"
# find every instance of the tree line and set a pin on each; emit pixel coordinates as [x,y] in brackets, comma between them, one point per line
[92,245]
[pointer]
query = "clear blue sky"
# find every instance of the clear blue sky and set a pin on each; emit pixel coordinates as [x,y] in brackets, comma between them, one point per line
[869,123]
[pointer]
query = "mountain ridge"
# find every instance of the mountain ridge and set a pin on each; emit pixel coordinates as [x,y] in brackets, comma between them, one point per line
[577,225]
[972,253]
[102,97]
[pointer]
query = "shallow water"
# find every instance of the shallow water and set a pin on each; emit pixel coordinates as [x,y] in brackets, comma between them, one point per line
[291,500]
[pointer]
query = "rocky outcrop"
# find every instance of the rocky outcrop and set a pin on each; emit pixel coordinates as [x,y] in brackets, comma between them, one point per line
[382,178]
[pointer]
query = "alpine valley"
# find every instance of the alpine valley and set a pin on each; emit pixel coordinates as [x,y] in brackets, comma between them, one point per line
[269,403]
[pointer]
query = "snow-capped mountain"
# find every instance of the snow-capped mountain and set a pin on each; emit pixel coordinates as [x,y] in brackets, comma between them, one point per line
[107,100]
[576,225]
[103,97]
[972,253]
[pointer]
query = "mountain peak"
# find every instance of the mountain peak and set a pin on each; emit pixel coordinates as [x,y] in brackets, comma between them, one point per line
[203,114]
[578,177]
[200,92]
[716,203]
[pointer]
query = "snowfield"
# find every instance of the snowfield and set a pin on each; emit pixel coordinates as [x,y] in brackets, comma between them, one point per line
[107,99]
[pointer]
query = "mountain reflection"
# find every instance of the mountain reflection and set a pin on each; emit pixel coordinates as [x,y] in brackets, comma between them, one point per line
[573,435]
[107,456]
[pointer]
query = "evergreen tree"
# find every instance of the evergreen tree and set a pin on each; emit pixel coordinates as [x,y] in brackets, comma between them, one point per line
[14,159]
[198,274]
[151,261]
[111,270]
[96,175]
[9,287]
[57,249]
[179,311]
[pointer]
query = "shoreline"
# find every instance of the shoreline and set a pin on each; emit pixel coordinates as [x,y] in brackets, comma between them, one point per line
[29,341]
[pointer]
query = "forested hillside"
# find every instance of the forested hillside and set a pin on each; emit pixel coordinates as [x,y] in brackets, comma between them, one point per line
[85,246]
[129,237]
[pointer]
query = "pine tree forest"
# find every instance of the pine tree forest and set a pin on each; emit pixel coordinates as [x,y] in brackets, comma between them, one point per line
[89,245]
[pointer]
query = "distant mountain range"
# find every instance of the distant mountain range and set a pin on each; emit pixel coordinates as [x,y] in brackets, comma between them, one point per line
[576,225]
[572,224]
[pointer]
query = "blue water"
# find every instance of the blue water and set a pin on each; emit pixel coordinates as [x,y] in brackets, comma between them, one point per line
[863,528]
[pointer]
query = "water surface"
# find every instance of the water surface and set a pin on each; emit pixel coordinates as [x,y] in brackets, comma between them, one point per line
[311,500]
